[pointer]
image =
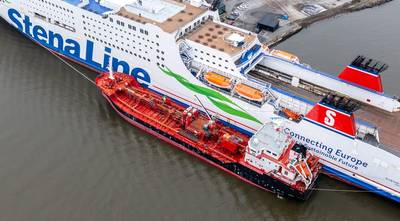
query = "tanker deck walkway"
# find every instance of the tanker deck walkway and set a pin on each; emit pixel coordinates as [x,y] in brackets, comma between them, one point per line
[388,123]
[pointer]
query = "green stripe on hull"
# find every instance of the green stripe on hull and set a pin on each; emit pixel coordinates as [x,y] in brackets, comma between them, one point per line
[220,101]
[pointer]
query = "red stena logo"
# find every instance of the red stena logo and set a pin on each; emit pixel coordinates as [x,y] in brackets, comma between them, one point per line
[334,119]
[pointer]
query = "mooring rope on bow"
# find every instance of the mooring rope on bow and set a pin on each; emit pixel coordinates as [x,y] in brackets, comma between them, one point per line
[71,66]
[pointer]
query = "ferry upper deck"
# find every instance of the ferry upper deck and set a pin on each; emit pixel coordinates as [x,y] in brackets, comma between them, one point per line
[169,15]
[221,37]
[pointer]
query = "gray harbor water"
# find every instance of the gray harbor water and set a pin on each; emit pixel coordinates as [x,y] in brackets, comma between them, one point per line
[65,155]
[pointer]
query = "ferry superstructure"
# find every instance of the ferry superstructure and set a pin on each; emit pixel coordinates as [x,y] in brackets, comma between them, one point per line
[181,49]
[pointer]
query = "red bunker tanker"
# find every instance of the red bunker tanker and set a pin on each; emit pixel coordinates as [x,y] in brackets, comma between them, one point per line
[269,159]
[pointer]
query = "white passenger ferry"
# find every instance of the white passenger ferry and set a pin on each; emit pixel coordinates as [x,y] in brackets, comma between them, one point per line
[181,49]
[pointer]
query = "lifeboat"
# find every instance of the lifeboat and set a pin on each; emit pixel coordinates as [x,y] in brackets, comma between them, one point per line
[291,114]
[285,55]
[218,80]
[249,92]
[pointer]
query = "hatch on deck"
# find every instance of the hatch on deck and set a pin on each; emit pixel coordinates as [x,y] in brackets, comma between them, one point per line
[235,39]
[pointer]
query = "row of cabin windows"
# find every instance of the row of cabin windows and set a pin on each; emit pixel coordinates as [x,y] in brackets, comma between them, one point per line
[195,24]
[214,63]
[113,45]
[117,47]
[120,23]
[274,154]
[208,54]
[42,9]
[57,6]
[145,32]
[131,27]
[121,37]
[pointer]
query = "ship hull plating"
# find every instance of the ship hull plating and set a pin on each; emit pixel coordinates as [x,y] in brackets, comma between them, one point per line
[261,181]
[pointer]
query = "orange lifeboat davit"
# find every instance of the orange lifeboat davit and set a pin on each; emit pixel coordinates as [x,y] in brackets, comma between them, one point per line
[285,55]
[249,92]
[218,80]
[302,168]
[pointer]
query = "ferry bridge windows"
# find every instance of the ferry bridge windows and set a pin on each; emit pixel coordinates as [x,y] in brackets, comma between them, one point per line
[131,27]
[144,32]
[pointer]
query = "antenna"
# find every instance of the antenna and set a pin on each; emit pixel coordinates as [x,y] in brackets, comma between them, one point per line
[110,71]
[208,114]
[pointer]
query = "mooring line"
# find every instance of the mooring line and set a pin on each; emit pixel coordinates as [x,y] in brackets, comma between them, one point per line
[71,66]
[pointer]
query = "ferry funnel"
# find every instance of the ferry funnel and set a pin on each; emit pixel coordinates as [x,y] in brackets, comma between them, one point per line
[335,113]
[364,72]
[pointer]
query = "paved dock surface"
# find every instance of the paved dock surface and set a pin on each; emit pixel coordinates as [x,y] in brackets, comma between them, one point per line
[388,125]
